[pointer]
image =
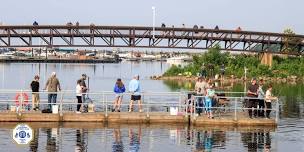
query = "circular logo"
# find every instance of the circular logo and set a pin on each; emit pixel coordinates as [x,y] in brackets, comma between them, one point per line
[22,134]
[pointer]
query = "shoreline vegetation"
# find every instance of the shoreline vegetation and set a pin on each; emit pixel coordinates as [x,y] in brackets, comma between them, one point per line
[284,68]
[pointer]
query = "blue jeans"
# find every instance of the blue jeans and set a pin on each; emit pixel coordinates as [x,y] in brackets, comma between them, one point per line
[208,105]
[200,104]
[51,100]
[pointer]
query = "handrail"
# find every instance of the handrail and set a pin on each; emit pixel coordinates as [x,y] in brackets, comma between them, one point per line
[103,100]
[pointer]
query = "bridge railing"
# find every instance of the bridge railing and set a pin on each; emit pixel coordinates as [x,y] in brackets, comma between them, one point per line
[177,103]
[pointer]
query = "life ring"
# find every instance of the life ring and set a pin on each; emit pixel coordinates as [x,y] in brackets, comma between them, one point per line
[23,96]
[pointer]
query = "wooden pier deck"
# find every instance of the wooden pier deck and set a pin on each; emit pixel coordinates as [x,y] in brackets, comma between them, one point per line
[136,117]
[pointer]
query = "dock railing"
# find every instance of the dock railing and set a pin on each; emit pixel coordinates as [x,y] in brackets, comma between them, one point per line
[177,103]
[234,107]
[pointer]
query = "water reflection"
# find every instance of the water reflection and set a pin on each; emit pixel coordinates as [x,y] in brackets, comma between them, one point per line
[208,139]
[51,140]
[117,144]
[81,140]
[256,141]
[136,138]
[35,141]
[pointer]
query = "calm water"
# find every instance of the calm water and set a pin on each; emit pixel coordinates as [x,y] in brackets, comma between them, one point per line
[289,135]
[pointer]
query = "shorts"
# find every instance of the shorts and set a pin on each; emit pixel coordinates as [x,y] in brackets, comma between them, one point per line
[135,97]
[118,95]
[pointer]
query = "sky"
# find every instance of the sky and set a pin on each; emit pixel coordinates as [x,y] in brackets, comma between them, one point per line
[252,15]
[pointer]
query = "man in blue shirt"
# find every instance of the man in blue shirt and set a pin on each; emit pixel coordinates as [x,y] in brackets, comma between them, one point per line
[134,89]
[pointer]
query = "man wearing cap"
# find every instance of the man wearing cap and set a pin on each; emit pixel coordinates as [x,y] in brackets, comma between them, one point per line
[134,88]
[51,86]
[252,93]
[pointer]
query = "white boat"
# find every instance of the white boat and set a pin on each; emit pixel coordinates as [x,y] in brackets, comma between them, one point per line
[6,56]
[124,55]
[178,60]
[148,57]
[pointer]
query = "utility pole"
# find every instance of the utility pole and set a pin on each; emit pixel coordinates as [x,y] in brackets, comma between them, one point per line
[153,11]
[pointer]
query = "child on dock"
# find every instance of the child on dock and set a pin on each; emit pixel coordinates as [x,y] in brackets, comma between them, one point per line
[261,101]
[35,93]
[209,99]
[269,98]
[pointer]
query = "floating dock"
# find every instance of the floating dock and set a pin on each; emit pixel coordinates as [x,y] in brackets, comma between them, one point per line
[136,117]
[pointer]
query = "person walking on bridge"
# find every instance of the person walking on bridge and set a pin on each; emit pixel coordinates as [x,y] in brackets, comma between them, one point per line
[222,69]
[52,85]
[134,89]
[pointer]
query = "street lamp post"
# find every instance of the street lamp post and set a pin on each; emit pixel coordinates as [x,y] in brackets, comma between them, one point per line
[245,79]
[153,10]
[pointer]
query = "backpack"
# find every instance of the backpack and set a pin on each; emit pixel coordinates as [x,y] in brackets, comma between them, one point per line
[46,111]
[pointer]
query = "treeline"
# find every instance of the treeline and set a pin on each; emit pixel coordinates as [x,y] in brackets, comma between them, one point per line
[235,65]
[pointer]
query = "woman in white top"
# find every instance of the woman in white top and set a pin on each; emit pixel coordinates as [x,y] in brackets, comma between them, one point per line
[261,97]
[269,98]
[78,95]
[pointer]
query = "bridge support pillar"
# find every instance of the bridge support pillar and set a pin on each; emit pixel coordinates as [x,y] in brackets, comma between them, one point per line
[266,59]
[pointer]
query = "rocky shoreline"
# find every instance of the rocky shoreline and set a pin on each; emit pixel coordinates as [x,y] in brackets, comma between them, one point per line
[289,79]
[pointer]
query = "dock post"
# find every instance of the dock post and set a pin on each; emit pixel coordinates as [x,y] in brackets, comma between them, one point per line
[187,103]
[61,104]
[235,106]
[21,104]
[180,101]
[106,107]
[194,105]
[277,111]
[147,114]
[103,101]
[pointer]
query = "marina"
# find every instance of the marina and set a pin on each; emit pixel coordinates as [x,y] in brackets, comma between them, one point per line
[31,55]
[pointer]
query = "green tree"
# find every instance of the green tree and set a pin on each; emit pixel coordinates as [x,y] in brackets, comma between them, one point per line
[290,41]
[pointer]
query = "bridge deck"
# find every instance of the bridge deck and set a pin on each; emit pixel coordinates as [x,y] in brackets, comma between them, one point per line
[143,37]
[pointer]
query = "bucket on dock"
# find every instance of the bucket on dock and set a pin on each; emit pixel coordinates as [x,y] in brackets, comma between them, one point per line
[55,109]
[13,108]
[173,110]
[91,107]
